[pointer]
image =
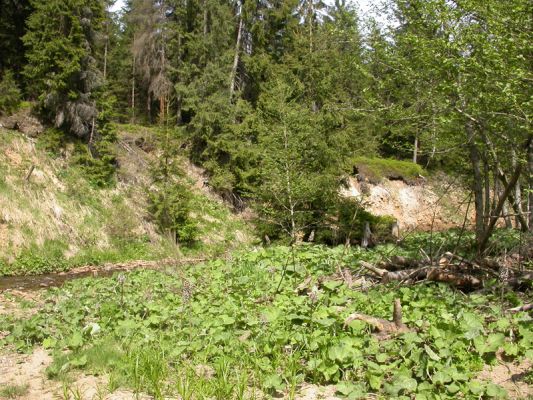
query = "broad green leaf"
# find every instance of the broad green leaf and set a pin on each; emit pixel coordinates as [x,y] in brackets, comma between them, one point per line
[496,391]
[76,340]
[434,356]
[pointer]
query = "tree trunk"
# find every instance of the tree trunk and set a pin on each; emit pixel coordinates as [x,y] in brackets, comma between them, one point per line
[291,205]
[310,14]
[530,185]
[477,185]
[517,193]
[233,76]
[486,173]
[415,149]
[162,109]
[506,192]
[367,233]
[133,92]
[205,17]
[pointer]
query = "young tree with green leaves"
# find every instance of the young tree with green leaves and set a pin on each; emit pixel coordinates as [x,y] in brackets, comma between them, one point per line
[169,198]
[299,170]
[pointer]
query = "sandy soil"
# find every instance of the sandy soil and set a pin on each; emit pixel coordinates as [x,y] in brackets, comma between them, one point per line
[29,371]
[509,376]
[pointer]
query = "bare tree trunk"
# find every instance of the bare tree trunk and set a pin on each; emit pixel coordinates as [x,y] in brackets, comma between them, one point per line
[233,76]
[105,58]
[520,220]
[292,206]
[517,193]
[530,185]
[506,192]
[205,17]
[133,92]
[367,233]
[162,109]
[149,106]
[310,13]
[486,175]
[415,149]
[477,185]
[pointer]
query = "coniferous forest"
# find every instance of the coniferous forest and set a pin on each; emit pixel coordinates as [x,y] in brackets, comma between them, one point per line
[216,190]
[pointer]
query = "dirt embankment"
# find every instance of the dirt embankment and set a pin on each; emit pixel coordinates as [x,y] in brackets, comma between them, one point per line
[434,204]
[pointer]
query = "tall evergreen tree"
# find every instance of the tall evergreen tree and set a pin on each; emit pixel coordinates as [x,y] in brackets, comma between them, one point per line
[62,70]
[12,28]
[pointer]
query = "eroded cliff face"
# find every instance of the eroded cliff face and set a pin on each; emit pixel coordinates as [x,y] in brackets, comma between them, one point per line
[433,204]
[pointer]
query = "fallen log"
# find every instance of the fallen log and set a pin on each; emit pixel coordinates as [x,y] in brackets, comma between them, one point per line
[382,327]
[430,273]
[397,263]
[525,307]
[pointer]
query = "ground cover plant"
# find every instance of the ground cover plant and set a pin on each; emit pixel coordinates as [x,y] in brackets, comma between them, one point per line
[264,321]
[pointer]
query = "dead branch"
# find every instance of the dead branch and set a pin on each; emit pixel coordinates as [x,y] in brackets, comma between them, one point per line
[28,175]
[383,328]
[525,307]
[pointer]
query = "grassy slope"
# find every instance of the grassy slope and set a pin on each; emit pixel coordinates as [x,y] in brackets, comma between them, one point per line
[56,220]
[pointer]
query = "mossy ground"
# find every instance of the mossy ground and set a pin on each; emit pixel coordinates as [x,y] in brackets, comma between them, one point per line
[376,169]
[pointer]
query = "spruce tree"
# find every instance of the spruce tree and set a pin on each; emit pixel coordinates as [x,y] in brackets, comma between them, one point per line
[62,71]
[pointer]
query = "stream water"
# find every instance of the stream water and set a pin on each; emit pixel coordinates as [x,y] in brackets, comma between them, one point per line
[36,282]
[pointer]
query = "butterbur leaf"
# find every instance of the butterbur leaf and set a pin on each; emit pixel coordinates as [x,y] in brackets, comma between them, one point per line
[503,323]
[476,387]
[375,381]
[511,349]
[274,381]
[490,344]
[49,342]
[271,314]
[227,320]
[496,391]
[75,341]
[331,284]
[401,383]
[434,356]
[79,362]
[472,325]
[453,388]
[441,377]
[351,390]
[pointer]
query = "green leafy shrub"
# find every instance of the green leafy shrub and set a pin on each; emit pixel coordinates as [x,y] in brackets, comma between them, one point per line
[52,141]
[347,221]
[377,169]
[169,207]
[10,96]
[169,198]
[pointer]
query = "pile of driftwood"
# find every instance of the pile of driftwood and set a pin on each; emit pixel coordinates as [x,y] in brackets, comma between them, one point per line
[452,269]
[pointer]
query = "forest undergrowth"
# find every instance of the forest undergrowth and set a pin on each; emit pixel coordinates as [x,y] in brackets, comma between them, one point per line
[267,320]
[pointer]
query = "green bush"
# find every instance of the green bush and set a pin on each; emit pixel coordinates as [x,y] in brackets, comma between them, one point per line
[377,169]
[169,206]
[10,96]
[52,141]
[348,220]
